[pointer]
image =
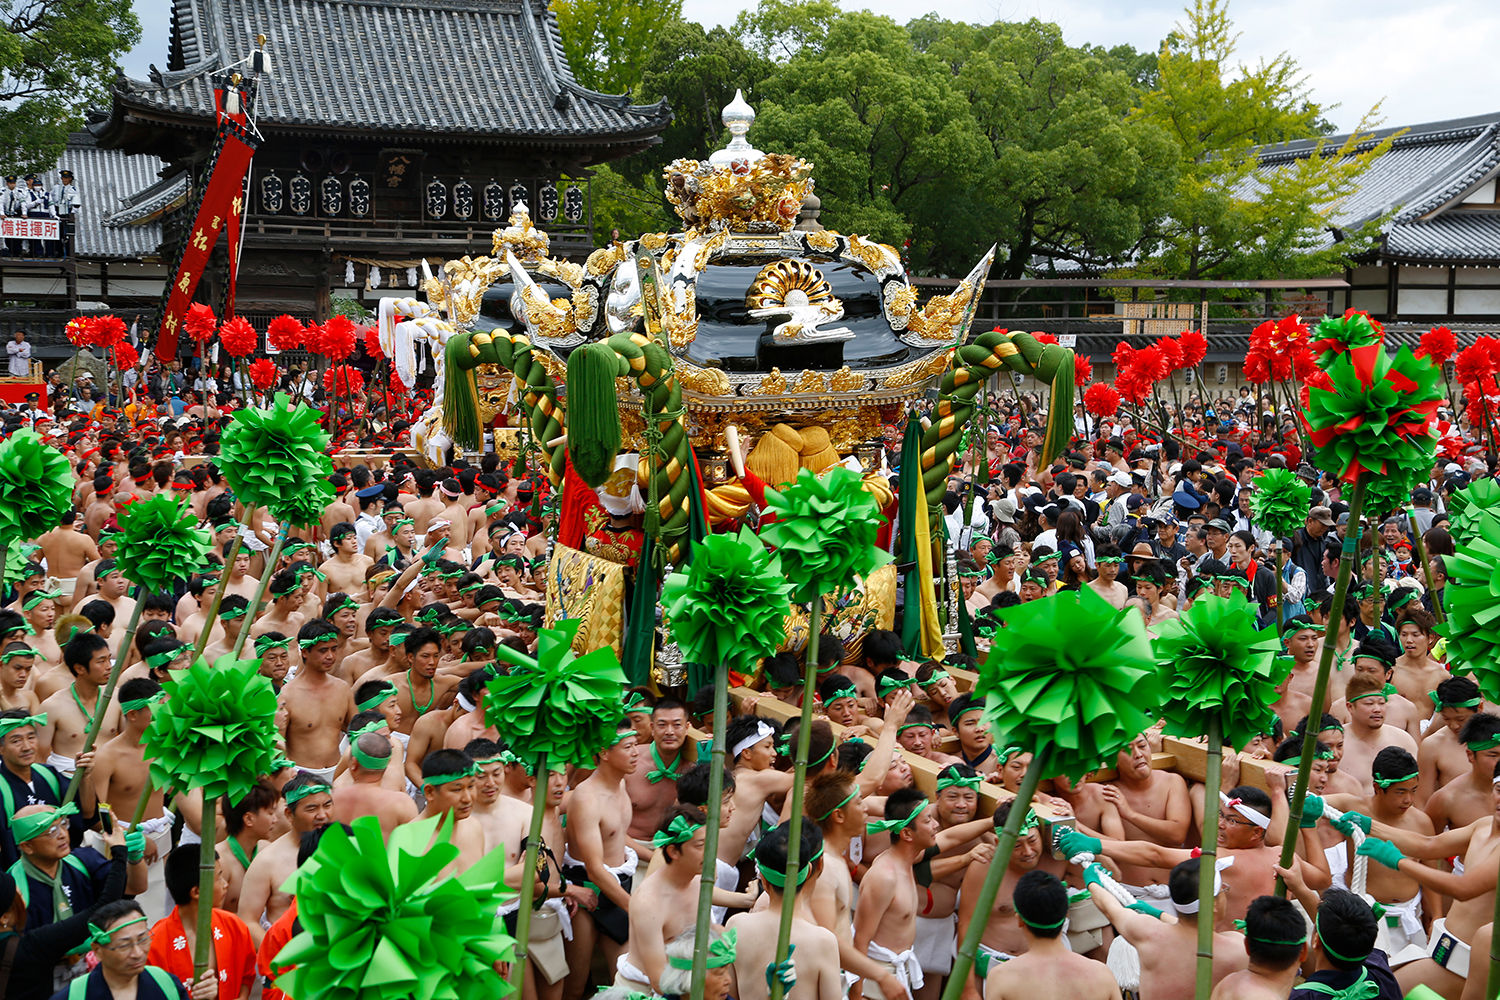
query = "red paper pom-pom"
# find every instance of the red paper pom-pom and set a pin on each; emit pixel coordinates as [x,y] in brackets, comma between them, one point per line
[1152,363]
[284,333]
[1437,344]
[1134,383]
[1101,400]
[1044,338]
[1122,355]
[371,336]
[337,341]
[341,380]
[264,373]
[1083,370]
[80,331]
[312,338]
[238,337]
[1194,348]
[1171,352]
[126,356]
[108,330]
[1475,362]
[200,323]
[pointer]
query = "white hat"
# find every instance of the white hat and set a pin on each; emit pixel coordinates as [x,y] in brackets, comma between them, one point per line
[621,493]
[1120,478]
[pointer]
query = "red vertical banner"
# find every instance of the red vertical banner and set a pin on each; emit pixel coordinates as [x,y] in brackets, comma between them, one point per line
[223,196]
[232,238]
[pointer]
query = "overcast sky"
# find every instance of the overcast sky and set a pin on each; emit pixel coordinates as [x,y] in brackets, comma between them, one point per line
[1426,62]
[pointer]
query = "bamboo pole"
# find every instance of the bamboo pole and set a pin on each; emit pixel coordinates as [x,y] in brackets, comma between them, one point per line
[203,945]
[711,833]
[1421,550]
[1211,780]
[106,694]
[528,872]
[1325,666]
[260,592]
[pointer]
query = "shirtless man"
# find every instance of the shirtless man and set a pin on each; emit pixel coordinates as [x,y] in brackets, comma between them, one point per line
[666,901]
[248,824]
[1466,799]
[1168,949]
[365,795]
[1395,776]
[835,804]
[346,568]
[426,506]
[1375,660]
[1301,641]
[976,746]
[275,657]
[1002,938]
[885,917]
[598,848]
[956,802]
[70,711]
[752,751]
[309,807]
[233,617]
[316,703]
[1107,584]
[286,598]
[1367,733]
[918,734]
[1045,966]
[378,625]
[1147,805]
[505,820]
[421,688]
[120,770]
[448,786]
[1443,757]
[240,580]
[1272,925]
[455,511]
[67,549]
[16,663]
[1417,674]
[1449,959]
[653,788]
[815,958]
[471,725]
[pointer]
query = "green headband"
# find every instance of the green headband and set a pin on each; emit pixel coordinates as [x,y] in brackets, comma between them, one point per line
[494,508]
[1028,823]
[471,587]
[397,640]
[894,826]
[135,703]
[1318,755]
[915,725]
[287,588]
[1382,693]
[1388,782]
[1476,746]
[720,953]
[971,574]
[1041,559]
[635,704]
[230,614]
[1240,926]
[375,700]
[937,677]
[347,602]
[287,550]
[368,761]
[886,685]
[264,643]
[9,725]
[1042,927]
[846,691]
[620,737]
[510,759]
[1100,560]
[37,597]
[98,935]
[973,706]
[305,570]
[29,827]
[679,831]
[1009,752]
[842,803]
[310,643]
[402,523]
[301,792]
[1362,988]
[1438,703]
[158,660]
[778,878]
[373,726]
[958,781]
[472,771]
[7,657]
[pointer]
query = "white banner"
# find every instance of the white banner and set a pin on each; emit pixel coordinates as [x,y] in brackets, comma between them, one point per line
[17,228]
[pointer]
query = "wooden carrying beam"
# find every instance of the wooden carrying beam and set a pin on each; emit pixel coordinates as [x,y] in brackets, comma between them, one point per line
[1192,762]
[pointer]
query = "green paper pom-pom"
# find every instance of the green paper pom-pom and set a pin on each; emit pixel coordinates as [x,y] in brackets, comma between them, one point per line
[270,455]
[824,532]
[1214,662]
[1471,599]
[216,730]
[565,706]
[36,488]
[380,922]
[1468,509]
[1335,335]
[1070,674]
[1392,491]
[1280,501]
[160,543]
[17,559]
[730,606]
[1378,416]
[307,507]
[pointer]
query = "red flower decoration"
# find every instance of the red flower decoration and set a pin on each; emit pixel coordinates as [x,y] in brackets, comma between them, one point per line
[371,337]
[1122,355]
[1083,370]
[1134,384]
[312,338]
[337,341]
[1171,352]
[80,331]
[126,356]
[1044,338]
[341,380]
[1439,343]
[1152,361]
[238,337]
[107,331]
[264,373]
[201,322]
[1475,362]
[1101,400]
[284,333]
[1194,348]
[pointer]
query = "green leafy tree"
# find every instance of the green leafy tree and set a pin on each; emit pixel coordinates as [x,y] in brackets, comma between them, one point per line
[779,29]
[629,207]
[1228,217]
[56,60]
[607,41]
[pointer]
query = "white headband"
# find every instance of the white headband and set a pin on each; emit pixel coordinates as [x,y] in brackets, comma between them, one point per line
[762,731]
[1253,815]
[437,525]
[464,703]
[1187,909]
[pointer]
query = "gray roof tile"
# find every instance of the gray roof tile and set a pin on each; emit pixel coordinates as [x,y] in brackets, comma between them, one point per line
[107,179]
[490,68]
[1457,235]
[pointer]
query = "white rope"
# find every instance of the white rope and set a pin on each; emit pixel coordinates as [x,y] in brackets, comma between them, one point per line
[1359,871]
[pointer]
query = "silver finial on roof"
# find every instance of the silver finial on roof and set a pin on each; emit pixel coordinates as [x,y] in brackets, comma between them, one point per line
[738,117]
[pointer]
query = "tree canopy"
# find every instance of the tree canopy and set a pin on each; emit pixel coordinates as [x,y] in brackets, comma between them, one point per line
[56,60]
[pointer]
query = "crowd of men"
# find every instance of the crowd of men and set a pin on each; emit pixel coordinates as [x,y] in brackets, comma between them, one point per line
[380,650]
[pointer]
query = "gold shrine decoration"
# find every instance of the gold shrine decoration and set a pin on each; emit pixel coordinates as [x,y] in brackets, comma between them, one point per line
[764,195]
[788,283]
[590,589]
